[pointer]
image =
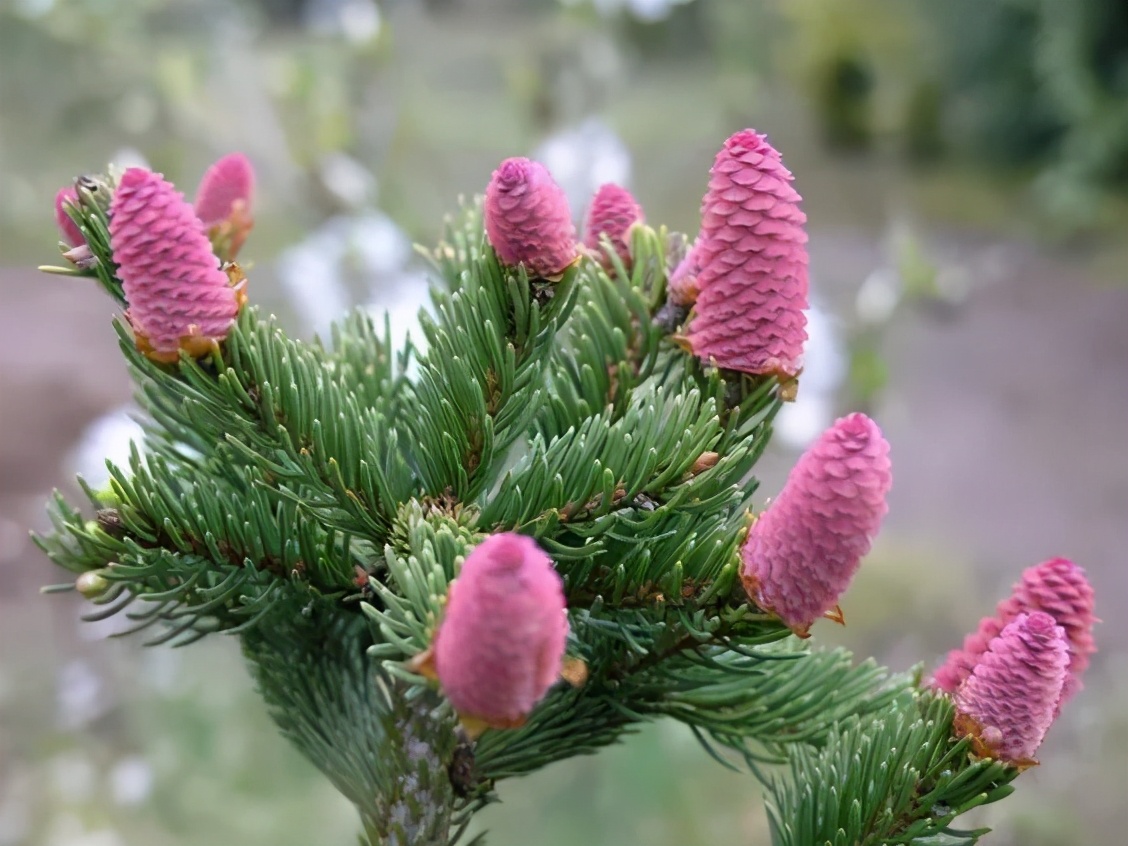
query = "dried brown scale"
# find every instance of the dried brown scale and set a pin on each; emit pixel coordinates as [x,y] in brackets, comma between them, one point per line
[671,317]
[705,461]
[109,521]
[462,769]
[493,392]
[473,456]
[445,504]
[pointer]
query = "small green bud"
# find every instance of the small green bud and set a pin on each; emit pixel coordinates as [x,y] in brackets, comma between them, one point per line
[92,584]
[107,497]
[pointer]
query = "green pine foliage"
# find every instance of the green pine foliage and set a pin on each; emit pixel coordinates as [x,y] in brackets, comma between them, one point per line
[317,500]
[896,778]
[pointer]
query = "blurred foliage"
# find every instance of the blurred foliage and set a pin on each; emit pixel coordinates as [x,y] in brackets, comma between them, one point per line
[185,80]
[1033,84]
[850,58]
[1040,84]
[1039,87]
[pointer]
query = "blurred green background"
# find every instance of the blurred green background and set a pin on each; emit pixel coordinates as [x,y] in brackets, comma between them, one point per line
[963,166]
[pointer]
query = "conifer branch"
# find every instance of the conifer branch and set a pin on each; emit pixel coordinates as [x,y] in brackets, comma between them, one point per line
[895,778]
[386,749]
[453,566]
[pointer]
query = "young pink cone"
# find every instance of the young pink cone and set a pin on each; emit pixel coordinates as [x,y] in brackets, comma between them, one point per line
[68,196]
[612,213]
[500,645]
[178,297]
[1059,588]
[752,252]
[527,218]
[223,202]
[1009,701]
[681,288]
[801,554]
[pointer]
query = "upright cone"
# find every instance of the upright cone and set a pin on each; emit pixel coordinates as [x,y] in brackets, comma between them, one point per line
[500,645]
[1010,699]
[178,297]
[613,212]
[752,254]
[801,554]
[223,203]
[527,218]
[67,196]
[1059,588]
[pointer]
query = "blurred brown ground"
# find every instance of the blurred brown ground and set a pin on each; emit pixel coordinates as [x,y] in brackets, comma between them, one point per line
[59,370]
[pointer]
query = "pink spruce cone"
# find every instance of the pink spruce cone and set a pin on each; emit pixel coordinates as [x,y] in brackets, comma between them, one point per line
[228,182]
[1059,588]
[527,218]
[801,554]
[69,229]
[1010,699]
[752,251]
[612,213]
[681,288]
[501,643]
[178,297]
[223,202]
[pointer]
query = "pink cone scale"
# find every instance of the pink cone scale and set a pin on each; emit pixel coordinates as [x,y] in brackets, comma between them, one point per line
[527,218]
[225,187]
[801,554]
[178,297]
[69,229]
[612,213]
[501,642]
[1009,701]
[752,254]
[1057,587]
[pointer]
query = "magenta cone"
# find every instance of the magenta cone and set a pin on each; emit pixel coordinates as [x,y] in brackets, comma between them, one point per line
[177,295]
[226,187]
[527,218]
[69,229]
[1010,699]
[1059,588]
[501,641]
[612,213]
[223,204]
[752,253]
[801,554]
